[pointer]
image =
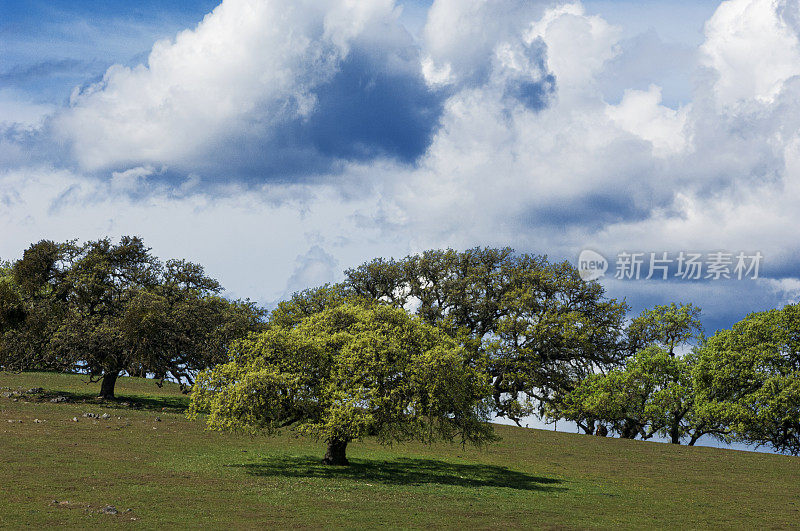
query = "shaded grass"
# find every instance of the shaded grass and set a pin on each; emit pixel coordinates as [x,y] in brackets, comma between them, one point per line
[174,404]
[170,472]
[137,393]
[80,384]
[402,471]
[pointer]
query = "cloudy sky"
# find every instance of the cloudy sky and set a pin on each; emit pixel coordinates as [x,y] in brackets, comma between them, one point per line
[279,142]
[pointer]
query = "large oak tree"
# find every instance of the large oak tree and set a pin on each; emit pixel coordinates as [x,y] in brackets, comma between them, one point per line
[105,308]
[535,326]
[346,372]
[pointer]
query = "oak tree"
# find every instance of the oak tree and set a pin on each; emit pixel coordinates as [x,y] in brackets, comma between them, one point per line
[749,378]
[536,327]
[105,308]
[346,372]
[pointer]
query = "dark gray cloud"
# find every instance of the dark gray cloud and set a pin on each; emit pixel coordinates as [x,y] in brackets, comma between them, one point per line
[366,111]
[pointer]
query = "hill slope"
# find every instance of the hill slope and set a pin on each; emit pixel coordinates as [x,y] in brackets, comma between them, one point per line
[158,469]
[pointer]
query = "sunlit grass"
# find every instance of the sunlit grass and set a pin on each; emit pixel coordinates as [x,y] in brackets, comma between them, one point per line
[169,471]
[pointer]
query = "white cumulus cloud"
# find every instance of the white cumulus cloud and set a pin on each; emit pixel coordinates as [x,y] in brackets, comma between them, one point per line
[641,113]
[525,149]
[753,48]
[248,65]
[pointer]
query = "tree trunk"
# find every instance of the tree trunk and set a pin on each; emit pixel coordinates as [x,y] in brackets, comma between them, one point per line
[630,430]
[675,433]
[107,385]
[336,453]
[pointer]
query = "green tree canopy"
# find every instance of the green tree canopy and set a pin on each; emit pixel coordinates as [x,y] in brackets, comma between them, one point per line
[749,378]
[105,308]
[311,301]
[536,327]
[344,373]
[668,326]
[654,393]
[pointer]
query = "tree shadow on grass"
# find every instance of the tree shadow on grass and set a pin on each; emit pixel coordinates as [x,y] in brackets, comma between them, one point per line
[172,404]
[403,471]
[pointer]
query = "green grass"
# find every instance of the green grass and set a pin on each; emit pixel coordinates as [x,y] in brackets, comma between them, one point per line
[170,472]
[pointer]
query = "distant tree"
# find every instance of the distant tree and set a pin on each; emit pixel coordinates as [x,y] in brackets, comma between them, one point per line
[749,378]
[12,311]
[34,301]
[654,392]
[311,301]
[668,326]
[344,373]
[106,308]
[182,325]
[536,327]
[618,399]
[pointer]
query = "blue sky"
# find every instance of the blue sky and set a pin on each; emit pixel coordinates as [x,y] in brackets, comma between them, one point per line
[49,47]
[279,142]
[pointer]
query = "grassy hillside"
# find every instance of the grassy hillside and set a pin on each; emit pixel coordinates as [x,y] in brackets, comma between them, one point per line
[158,469]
